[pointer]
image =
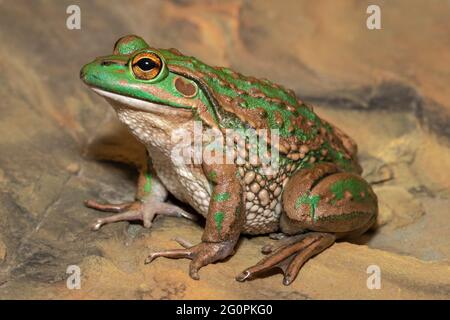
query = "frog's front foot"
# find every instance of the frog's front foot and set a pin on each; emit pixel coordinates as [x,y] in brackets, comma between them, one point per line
[136,210]
[290,256]
[201,254]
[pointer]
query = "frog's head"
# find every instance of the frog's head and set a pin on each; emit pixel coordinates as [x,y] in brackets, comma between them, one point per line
[137,76]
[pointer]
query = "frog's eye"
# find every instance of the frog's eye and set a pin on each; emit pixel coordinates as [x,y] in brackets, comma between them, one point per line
[146,65]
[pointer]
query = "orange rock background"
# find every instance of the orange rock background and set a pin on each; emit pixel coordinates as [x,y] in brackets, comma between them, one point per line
[386,88]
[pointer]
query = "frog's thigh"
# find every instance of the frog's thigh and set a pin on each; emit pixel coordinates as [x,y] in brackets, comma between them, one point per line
[323,199]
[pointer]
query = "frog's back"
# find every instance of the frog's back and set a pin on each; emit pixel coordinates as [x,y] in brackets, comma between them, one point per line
[240,101]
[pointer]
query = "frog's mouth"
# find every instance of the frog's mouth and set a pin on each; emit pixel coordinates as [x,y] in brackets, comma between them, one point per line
[117,100]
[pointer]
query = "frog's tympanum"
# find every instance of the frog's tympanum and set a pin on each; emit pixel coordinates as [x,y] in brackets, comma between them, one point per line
[311,198]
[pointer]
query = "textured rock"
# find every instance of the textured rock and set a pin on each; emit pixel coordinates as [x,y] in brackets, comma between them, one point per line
[393,99]
[398,207]
[120,273]
[2,251]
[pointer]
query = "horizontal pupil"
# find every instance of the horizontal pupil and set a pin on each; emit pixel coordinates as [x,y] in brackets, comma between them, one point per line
[146,64]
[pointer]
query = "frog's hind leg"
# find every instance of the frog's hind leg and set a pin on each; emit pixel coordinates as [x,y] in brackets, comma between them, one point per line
[330,205]
[150,201]
[290,256]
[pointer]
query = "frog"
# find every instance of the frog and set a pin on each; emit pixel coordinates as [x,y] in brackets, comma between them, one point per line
[313,196]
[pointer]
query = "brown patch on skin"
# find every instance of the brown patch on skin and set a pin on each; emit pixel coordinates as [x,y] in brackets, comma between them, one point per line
[278,118]
[348,143]
[254,117]
[175,51]
[204,114]
[301,183]
[290,108]
[233,212]
[337,144]
[256,93]
[186,88]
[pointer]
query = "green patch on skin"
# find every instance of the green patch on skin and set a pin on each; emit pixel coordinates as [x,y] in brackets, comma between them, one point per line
[213,176]
[338,158]
[132,45]
[148,183]
[357,188]
[218,218]
[223,196]
[311,200]
[231,121]
[238,209]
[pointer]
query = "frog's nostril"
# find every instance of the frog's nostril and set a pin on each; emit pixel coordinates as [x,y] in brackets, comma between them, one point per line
[82,74]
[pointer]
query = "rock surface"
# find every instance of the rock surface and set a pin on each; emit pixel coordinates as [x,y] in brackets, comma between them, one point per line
[386,88]
[2,251]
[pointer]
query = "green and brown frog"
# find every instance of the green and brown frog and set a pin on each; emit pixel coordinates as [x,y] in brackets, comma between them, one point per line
[312,197]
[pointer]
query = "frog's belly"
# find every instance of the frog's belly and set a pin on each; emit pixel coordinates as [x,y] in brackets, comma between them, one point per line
[186,183]
[262,199]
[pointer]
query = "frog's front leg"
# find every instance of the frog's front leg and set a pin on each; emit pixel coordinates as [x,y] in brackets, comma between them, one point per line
[150,201]
[325,203]
[223,223]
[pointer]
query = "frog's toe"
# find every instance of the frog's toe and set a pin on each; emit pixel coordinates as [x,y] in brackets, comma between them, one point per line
[173,254]
[168,209]
[136,210]
[126,216]
[127,211]
[183,242]
[187,253]
[109,207]
[153,208]
[290,257]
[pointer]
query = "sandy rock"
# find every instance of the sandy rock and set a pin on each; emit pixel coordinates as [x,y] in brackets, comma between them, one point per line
[2,251]
[376,171]
[343,268]
[52,128]
[397,207]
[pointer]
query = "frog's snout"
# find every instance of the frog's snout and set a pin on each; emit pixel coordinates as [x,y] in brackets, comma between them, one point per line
[82,74]
[89,73]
